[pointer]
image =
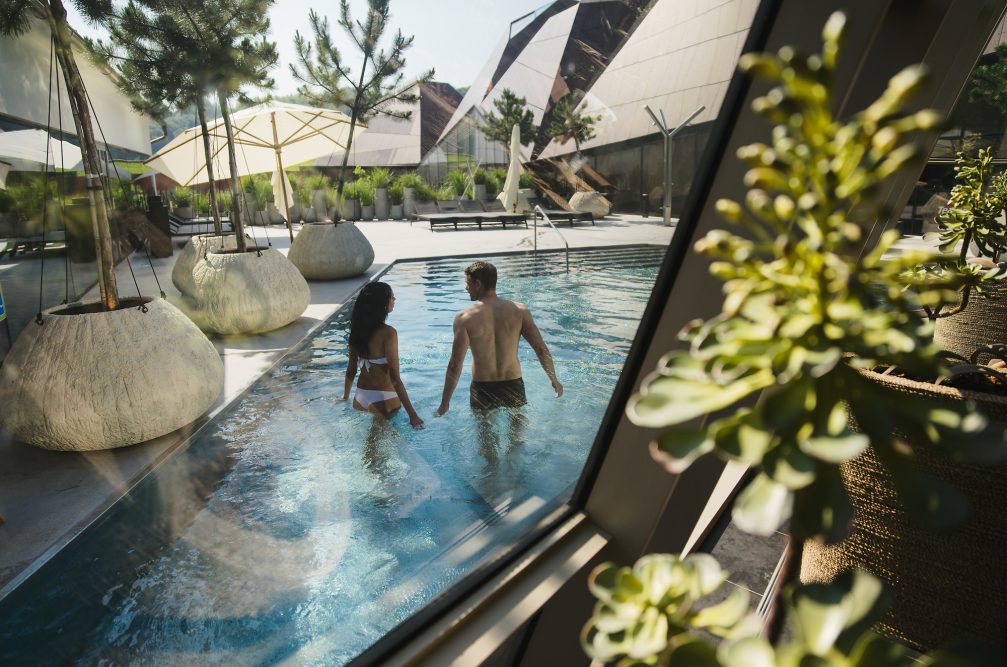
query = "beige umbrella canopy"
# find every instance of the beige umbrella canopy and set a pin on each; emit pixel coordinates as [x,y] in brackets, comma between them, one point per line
[509,195]
[266,137]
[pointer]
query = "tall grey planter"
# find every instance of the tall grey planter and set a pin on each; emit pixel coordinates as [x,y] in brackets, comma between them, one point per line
[348,209]
[409,201]
[366,213]
[397,212]
[480,191]
[381,203]
[318,198]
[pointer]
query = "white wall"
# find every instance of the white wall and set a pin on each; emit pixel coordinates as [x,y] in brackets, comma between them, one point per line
[24,91]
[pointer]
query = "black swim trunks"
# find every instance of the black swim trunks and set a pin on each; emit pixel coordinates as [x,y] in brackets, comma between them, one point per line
[501,394]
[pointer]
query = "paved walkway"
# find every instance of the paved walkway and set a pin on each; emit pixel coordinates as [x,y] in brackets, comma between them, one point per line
[47,498]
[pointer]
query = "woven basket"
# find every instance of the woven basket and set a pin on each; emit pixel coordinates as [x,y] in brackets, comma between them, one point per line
[982,322]
[946,585]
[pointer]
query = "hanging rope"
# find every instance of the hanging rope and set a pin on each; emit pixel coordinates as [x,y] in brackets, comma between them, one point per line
[61,193]
[265,226]
[45,180]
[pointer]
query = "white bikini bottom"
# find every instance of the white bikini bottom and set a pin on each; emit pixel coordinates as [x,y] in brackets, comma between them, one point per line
[368,397]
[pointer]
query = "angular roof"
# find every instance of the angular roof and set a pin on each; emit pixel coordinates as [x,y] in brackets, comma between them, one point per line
[680,57]
[399,142]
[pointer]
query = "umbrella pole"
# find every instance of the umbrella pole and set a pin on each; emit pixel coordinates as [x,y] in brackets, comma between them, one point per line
[279,168]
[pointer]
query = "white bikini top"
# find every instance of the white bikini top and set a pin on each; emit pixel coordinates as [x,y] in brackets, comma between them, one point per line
[366,363]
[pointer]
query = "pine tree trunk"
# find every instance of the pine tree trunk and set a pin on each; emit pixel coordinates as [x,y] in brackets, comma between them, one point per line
[218,229]
[239,229]
[354,113]
[56,17]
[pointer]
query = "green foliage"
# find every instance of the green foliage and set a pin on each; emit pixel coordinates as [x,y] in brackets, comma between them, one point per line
[526,180]
[365,190]
[444,193]
[381,177]
[479,176]
[350,191]
[647,615]
[316,182]
[7,202]
[395,192]
[650,609]
[570,124]
[977,201]
[988,83]
[302,194]
[225,202]
[181,197]
[260,188]
[458,180]
[422,190]
[805,308]
[510,110]
[495,178]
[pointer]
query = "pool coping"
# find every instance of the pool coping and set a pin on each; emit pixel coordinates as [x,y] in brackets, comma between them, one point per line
[75,531]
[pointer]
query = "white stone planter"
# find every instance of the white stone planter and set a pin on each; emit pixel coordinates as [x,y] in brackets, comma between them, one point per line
[184,212]
[590,202]
[181,273]
[86,381]
[247,292]
[325,251]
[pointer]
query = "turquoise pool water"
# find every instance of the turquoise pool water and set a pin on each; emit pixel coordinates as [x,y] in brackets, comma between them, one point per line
[282,533]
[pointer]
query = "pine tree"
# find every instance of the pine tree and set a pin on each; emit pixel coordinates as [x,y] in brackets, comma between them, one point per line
[510,109]
[327,80]
[569,123]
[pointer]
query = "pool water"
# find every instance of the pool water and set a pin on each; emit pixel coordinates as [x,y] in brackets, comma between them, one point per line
[295,529]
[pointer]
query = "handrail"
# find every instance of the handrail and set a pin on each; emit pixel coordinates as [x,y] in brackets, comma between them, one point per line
[539,211]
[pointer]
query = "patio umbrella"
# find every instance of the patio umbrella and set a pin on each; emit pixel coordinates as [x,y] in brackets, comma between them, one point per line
[283,193]
[266,137]
[26,149]
[509,195]
[4,168]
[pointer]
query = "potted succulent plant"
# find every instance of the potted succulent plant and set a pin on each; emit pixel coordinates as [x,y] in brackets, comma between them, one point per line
[781,371]
[365,194]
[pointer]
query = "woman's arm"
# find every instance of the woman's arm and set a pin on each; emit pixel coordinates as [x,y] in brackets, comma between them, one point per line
[351,374]
[392,357]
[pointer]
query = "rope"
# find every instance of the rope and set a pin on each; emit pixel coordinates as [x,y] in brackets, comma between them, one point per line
[265,226]
[67,276]
[45,181]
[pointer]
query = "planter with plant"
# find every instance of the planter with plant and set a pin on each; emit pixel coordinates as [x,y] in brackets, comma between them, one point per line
[350,205]
[778,375]
[458,181]
[479,180]
[317,184]
[381,179]
[395,196]
[181,201]
[365,194]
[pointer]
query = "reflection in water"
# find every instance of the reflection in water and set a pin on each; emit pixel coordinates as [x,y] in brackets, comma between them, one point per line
[296,528]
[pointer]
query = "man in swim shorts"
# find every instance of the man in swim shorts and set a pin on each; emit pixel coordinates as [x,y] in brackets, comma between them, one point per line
[493,327]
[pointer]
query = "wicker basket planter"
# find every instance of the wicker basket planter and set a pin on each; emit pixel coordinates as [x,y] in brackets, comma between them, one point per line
[89,379]
[946,585]
[982,322]
[326,251]
[199,245]
[249,292]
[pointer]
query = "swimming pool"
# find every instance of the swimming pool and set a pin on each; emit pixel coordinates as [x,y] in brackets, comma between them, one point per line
[282,533]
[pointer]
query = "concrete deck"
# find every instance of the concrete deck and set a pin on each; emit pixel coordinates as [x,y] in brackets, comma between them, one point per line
[47,498]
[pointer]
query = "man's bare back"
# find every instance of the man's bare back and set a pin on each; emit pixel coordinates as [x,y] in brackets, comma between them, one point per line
[493,328]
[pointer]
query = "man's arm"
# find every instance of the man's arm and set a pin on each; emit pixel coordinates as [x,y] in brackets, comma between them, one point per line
[455,364]
[531,334]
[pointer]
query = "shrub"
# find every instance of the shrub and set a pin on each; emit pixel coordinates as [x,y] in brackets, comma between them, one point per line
[396,192]
[201,202]
[365,191]
[181,197]
[351,191]
[527,180]
[445,192]
[457,180]
[479,176]
[492,184]
[7,202]
[316,182]
[225,202]
[381,177]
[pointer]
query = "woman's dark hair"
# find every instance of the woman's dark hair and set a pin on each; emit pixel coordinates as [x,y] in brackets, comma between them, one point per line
[369,312]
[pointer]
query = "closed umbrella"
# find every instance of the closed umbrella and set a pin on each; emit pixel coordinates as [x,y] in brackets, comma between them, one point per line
[283,193]
[266,137]
[509,195]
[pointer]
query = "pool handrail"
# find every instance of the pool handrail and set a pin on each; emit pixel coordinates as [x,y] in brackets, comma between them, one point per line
[540,212]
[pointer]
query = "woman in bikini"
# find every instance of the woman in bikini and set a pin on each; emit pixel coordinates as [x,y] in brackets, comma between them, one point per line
[374,351]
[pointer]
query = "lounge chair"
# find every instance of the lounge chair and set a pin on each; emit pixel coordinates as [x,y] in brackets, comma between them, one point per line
[429,211]
[495,208]
[559,214]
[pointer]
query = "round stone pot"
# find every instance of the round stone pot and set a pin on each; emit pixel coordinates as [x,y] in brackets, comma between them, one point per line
[330,252]
[89,379]
[181,273]
[243,293]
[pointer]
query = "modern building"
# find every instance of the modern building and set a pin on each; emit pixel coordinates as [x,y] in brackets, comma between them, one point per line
[393,140]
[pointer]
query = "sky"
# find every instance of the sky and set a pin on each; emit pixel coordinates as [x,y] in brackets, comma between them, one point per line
[455,37]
